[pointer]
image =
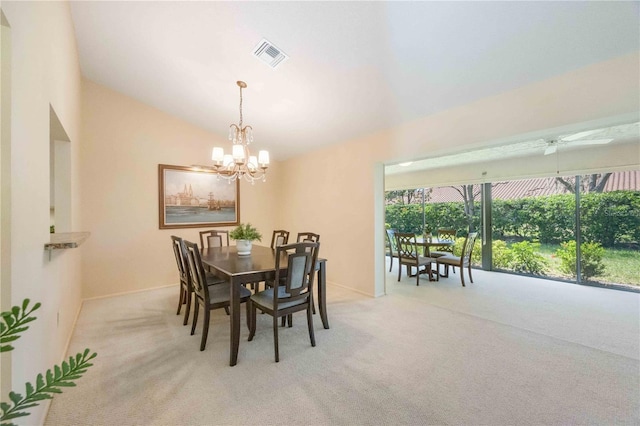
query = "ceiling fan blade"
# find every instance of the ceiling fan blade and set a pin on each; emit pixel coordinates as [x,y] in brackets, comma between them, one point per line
[550,149]
[592,142]
[579,135]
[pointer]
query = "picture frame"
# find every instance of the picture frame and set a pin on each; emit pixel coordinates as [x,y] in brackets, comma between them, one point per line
[190,197]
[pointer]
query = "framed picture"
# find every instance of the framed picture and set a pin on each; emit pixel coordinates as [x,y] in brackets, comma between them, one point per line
[193,198]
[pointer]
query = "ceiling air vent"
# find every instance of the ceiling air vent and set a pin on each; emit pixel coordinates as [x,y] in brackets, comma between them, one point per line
[267,52]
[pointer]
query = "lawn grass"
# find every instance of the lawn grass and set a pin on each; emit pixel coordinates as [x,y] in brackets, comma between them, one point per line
[621,266]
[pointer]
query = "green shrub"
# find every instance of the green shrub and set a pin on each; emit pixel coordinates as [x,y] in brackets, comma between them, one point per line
[502,255]
[591,264]
[608,218]
[525,258]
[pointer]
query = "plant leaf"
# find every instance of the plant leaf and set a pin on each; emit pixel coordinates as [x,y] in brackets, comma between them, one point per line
[6,348]
[30,389]
[40,382]
[65,384]
[49,377]
[15,397]
[57,372]
[8,339]
[9,319]
[15,415]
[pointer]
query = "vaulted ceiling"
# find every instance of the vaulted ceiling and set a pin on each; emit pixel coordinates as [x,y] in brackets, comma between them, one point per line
[354,67]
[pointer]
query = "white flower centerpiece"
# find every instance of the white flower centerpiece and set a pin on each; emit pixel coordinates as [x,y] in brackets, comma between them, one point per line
[244,236]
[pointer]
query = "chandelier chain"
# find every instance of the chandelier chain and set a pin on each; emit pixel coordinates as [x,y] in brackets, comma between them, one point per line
[240,107]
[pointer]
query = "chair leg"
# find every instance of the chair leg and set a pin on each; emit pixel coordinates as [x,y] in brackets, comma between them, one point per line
[284,321]
[462,276]
[195,317]
[188,308]
[391,265]
[205,328]
[417,275]
[290,320]
[252,323]
[180,300]
[275,336]
[470,277]
[226,309]
[248,314]
[312,336]
[446,271]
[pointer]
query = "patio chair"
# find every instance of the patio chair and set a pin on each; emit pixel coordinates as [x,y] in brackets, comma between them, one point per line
[465,257]
[392,250]
[408,256]
[448,234]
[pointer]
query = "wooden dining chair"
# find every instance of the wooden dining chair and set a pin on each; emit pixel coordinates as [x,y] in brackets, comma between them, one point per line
[409,256]
[214,238]
[280,237]
[308,237]
[185,286]
[294,294]
[208,296]
[464,261]
[447,234]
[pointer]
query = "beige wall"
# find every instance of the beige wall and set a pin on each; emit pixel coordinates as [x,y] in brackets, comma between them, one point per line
[335,190]
[45,72]
[124,141]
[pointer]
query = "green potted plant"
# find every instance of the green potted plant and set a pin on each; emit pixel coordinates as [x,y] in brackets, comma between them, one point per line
[245,234]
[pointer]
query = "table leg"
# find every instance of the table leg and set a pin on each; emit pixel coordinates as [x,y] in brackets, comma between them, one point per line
[235,322]
[322,294]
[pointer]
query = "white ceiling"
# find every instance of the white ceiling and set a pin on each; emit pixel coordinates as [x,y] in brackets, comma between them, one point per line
[354,67]
[565,142]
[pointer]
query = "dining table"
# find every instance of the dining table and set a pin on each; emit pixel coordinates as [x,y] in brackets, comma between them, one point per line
[428,243]
[255,267]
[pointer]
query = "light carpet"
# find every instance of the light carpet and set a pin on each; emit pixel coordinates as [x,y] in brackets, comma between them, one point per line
[506,350]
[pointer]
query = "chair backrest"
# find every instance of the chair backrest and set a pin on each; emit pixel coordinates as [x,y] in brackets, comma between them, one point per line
[448,234]
[297,282]
[391,241]
[214,238]
[406,246]
[467,249]
[280,237]
[196,271]
[308,237]
[181,258]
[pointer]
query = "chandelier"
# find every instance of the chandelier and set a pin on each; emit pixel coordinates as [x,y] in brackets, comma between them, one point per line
[240,163]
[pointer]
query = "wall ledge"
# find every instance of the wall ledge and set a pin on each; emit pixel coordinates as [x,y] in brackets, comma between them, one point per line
[66,240]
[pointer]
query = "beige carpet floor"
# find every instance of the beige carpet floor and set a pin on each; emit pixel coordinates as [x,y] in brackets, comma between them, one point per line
[506,350]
